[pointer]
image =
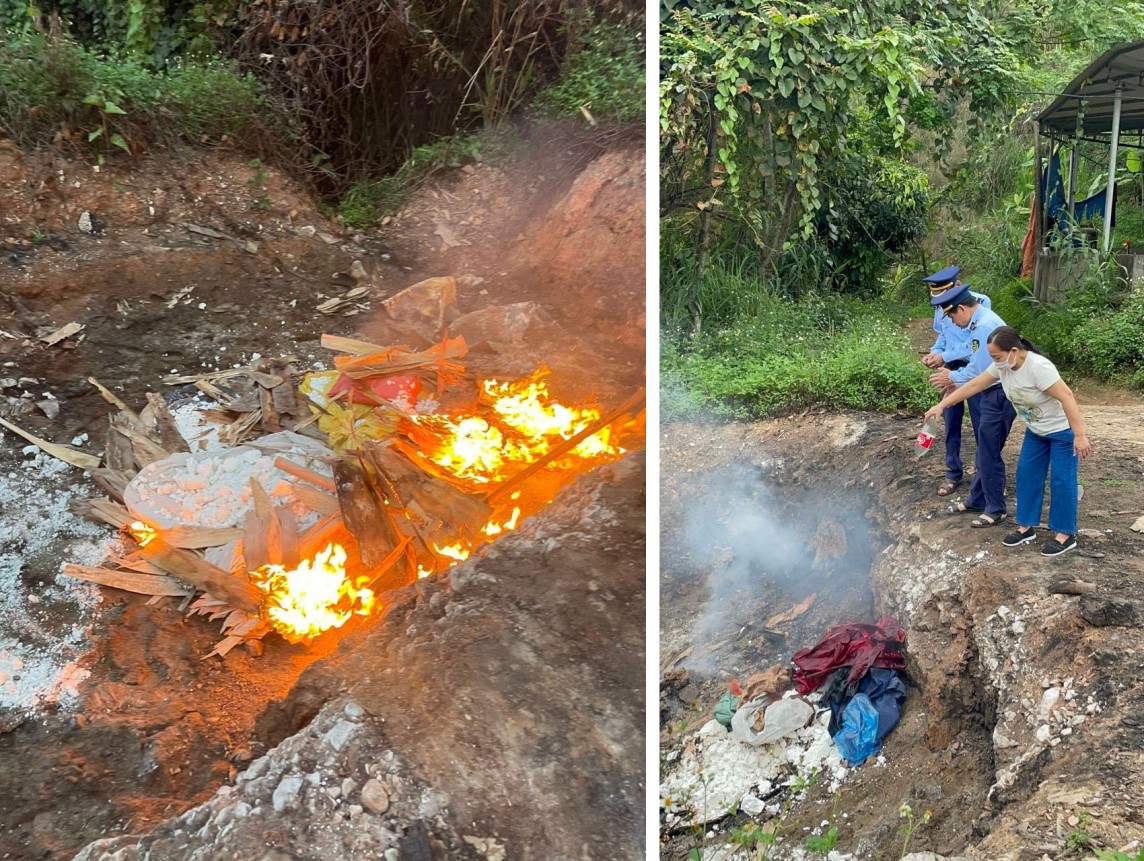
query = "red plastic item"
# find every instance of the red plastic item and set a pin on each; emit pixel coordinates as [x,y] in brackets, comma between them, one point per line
[376,389]
[855,645]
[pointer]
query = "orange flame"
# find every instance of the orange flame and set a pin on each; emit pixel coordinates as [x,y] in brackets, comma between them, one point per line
[523,424]
[317,595]
[142,533]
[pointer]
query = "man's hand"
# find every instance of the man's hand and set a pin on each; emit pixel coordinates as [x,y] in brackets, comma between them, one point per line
[933,360]
[940,379]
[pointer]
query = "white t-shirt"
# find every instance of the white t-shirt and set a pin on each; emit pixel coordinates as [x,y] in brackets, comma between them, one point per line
[1025,387]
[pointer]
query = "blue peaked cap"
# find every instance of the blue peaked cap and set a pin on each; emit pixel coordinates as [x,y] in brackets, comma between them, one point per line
[943,276]
[956,295]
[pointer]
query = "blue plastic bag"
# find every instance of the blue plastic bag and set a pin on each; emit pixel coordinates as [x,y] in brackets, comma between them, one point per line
[858,738]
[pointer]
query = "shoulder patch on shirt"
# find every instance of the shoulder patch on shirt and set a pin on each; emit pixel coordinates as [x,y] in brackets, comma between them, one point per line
[975,344]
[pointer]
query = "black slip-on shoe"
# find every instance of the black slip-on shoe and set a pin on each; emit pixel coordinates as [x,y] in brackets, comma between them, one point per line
[1055,548]
[1016,538]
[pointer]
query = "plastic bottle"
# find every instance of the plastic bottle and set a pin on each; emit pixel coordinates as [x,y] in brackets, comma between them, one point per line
[925,438]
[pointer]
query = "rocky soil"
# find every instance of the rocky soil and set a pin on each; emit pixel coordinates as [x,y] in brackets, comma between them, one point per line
[1021,733]
[491,705]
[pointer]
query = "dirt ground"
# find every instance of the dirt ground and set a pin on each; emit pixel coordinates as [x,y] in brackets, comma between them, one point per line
[1020,732]
[156,728]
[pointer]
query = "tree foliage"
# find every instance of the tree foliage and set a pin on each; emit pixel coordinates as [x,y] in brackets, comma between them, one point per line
[764,102]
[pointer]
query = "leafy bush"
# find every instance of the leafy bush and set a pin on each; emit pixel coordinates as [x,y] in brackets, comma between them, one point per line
[368,200]
[831,352]
[1111,345]
[878,210]
[59,91]
[603,71]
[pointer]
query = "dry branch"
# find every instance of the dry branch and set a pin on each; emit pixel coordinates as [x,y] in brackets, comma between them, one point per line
[67,454]
[129,581]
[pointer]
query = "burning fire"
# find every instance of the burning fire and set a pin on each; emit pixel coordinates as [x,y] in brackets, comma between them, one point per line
[317,595]
[524,424]
[142,533]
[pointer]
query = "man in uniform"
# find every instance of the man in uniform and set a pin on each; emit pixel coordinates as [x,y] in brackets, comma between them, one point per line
[951,350]
[994,412]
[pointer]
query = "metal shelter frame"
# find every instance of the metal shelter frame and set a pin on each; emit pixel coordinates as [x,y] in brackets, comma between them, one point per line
[1101,103]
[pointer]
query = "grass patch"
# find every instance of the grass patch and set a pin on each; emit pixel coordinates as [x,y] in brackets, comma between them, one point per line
[56,91]
[834,353]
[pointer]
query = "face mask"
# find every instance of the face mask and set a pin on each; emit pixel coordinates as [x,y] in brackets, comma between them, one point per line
[1003,366]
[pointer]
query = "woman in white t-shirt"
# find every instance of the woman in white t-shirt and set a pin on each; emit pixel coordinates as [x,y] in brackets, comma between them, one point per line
[1055,438]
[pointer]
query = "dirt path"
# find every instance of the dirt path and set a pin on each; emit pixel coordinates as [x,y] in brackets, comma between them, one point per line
[749,514]
[140,728]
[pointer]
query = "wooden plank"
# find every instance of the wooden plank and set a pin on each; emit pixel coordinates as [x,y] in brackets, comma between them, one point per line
[316,479]
[314,499]
[288,529]
[270,421]
[111,513]
[128,581]
[145,449]
[118,452]
[169,436]
[198,537]
[256,534]
[353,346]
[234,589]
[364,514]
[114,481]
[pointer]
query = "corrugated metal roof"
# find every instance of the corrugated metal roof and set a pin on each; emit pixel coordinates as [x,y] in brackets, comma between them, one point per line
[1092,92]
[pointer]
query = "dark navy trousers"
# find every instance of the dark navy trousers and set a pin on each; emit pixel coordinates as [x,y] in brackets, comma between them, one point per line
[954,417]
[995,417]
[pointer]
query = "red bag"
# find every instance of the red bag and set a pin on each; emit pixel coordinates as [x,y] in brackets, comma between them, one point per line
[374,390]
[852,644]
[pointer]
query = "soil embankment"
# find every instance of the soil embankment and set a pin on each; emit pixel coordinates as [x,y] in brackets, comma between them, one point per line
[111,724]
[1021,731]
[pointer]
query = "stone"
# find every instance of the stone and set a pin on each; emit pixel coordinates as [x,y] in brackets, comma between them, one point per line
[1044,734]
[751,805]
[1091,533]
[337,736]
[1049,700]
[374,798]
[353,710]
[286,793]
[1138,526]
[1102,612]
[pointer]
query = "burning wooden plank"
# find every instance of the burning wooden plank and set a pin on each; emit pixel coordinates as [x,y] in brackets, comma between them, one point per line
[634,403]
[364,513]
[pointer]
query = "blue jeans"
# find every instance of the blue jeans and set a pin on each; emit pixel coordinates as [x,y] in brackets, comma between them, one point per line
[1038,454]
[995,418]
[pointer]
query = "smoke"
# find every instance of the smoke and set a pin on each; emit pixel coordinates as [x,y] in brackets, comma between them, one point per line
[760,555]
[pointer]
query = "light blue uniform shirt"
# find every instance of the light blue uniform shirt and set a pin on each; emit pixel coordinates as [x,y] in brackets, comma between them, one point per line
[981,326]
[953,341]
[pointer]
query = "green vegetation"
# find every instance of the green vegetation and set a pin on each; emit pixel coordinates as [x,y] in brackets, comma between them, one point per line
[832,351]
[810,151]
[363,99]
[603,72]
[58,91]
